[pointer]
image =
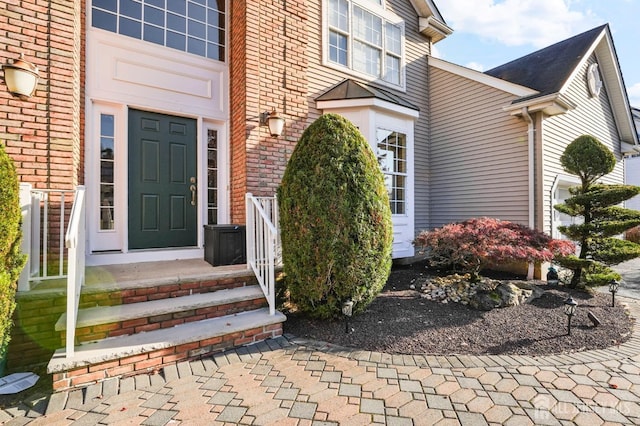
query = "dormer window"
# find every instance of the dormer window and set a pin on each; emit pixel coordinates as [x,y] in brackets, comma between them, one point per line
[366,40]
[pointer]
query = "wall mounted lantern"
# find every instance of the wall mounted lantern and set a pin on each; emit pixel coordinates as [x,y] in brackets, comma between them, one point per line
[21,77]
[274,121]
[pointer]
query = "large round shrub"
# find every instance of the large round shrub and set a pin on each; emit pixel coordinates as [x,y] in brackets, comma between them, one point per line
[335,220]
[11,261]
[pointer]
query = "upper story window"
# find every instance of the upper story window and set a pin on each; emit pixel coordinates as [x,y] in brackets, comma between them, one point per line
[193,26]
[364,38]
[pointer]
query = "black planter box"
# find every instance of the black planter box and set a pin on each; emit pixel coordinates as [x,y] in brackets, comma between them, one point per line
[225,244]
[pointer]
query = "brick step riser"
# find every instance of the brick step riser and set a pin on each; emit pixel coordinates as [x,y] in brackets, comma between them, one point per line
[164,291]
[155,360]
[139,325]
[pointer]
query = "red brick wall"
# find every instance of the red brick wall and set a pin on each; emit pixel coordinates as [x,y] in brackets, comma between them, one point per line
[42,134]
[268,70]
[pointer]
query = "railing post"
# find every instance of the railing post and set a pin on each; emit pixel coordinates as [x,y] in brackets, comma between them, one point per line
[25,208]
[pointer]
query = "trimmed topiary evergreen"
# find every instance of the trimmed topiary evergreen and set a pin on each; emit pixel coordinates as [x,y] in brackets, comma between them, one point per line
[11,260]
[603,219]
[335,220]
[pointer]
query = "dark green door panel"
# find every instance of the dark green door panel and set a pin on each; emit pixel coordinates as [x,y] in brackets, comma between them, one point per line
[162,162]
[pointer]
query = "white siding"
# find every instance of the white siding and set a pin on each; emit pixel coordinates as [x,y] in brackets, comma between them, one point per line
[591,116]
[479,154]
[417,48]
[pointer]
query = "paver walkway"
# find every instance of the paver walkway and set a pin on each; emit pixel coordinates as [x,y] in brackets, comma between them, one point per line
[288,381]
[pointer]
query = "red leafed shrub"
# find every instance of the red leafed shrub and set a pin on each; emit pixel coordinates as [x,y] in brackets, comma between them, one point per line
[478,243]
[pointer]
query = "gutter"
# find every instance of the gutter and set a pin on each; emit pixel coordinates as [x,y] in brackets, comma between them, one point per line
[531,138]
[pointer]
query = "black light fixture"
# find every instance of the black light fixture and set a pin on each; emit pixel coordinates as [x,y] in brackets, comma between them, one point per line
[570,306]
[347,311]
[21,77]
[274,121]
[614,285]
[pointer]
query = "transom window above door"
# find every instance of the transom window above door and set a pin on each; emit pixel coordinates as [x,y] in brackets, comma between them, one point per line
[365,39]
[193,26]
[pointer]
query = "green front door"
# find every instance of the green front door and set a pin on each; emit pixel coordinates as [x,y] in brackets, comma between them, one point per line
[162,184]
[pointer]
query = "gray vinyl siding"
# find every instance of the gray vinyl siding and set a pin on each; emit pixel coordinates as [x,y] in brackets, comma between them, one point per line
[417,47]
[591,116]
[479,156]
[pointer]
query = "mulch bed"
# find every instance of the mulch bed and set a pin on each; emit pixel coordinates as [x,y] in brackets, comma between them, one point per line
[400,321]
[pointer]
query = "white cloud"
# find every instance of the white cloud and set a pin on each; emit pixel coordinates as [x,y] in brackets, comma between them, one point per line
[435,52]
[475,66]
[518,22]
[634,95]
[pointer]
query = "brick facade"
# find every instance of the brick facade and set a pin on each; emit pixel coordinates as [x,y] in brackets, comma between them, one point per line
[268,65]
[42,134]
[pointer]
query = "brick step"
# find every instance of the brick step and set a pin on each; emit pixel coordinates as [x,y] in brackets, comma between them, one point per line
[146,352]
[101,322]
[157,283]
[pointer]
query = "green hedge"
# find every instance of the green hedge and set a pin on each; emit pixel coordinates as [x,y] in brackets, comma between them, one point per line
[11,259]
[335,220]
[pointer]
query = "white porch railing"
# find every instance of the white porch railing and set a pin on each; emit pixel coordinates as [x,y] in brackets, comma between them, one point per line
[54,241]
[263,243]
[75,243]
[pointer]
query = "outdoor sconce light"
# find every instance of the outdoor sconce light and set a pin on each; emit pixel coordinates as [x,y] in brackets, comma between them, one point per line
[613,288]
[552,275]
[569,310]
[21,77]
[273,121]
[347,311]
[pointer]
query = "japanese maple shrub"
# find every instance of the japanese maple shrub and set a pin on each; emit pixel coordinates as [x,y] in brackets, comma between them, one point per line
[335,220]
[11,260]
[602,217]
[480,243]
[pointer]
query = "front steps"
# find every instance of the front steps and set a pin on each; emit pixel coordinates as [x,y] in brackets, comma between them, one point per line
[140,324]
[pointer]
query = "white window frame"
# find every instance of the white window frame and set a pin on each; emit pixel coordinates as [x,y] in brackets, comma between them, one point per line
[387,18]
[107,239]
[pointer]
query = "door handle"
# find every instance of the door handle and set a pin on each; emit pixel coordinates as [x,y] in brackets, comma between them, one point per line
[192,188]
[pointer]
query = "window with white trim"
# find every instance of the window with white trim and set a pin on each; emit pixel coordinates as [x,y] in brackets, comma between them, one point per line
[364,38]
[193,26]
[392,157]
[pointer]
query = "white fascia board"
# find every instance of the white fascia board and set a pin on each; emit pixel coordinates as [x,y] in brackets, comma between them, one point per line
[497,83]
[553,104]
[368,103]
[433,28]
[629,149]
[426,8]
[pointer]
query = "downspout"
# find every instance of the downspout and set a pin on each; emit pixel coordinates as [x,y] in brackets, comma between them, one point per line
[531,137]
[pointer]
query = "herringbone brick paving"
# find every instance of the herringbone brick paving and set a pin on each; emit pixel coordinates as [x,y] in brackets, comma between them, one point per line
[289,381]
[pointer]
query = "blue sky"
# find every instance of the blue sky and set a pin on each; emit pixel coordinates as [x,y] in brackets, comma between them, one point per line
[488,33]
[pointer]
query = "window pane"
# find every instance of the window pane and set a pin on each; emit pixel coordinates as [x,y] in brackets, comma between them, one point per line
[394,39]
[177,23]
[366,59]
[367,26]
[178,6]
[338,48]
[158,3]
[131,9]
[212,176]
[109,5]
[130,28]
[154,34]
[215,52]
[391,153]
[392,70]
[104,20]
[197,29]
[339,14]
[176,41]
[196,11]
[154,16]
[106,148]
[195,46]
